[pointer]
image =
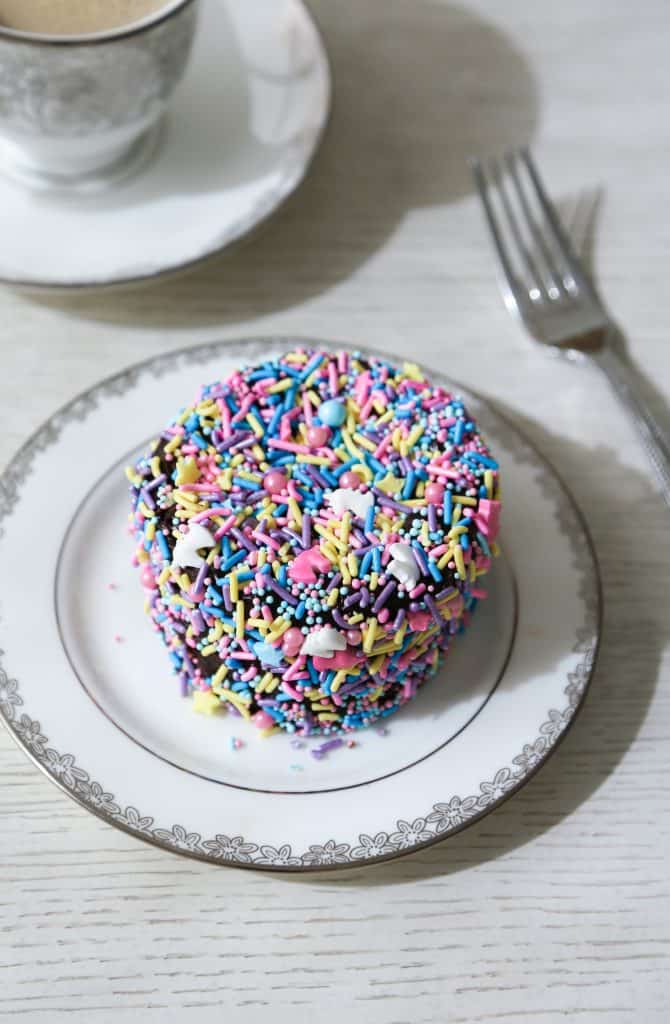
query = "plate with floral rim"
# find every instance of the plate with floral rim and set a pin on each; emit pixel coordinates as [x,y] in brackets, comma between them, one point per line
[95,707]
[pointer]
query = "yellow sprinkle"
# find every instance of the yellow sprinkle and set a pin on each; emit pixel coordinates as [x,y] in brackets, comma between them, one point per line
[414,435]
[267,678]
[400,635]
[173,444]
[345,527]
[216,632]
[473,572]
[464,499]
[146,512]
[344,569]
[412,371]
[255,424]
[331,553]
[295,511]
[239,620]
[365,442]
[374,580]
[351,447]
[237,460]
[385,417]
[259,456]
[164,576]
[457,515]
[456,531]
[205,703]
[209,649]
[376,693]
[425,539]
[155,466]
[314,399]
[460,563]
[326,716]
[220,675]
[150,531]
[281,385]
[234,587]
[262,557]
[264,733]
[352,564]
[495,549]
[279,627]
[135,478]
[211,555]
[445,558]
[488,482]
[324,532]
[255,624]
[244,474]
[332,598]
[342,454]
[390,484]
[355,619]
[187,472]
[363,470]
[234,698]
[376,663]
[272,685]
[184,582]
[370,635]
[314,460]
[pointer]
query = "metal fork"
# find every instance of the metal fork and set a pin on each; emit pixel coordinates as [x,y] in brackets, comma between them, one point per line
[545,284]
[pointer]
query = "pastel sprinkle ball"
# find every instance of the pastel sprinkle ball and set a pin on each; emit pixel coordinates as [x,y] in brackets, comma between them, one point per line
[311,534]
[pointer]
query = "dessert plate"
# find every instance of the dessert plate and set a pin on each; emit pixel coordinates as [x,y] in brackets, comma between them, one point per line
[95,706]
[238,140]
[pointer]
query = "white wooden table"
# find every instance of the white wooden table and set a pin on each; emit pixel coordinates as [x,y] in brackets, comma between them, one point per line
[556,906]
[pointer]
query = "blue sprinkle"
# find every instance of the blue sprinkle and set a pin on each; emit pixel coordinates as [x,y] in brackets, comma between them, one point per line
[376,560]
[234,560]
[434,571]
[163,545]
[247,485]
[464,541]
[447,506]
[370,519]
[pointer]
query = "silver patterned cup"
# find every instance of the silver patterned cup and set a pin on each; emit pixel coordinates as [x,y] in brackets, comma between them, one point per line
[82,111]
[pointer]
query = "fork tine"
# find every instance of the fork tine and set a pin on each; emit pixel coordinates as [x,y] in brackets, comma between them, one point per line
[562,240]
[479,176]
[532,269]
[552,271]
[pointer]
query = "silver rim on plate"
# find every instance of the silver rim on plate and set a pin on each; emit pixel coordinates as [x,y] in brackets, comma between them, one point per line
[443,818]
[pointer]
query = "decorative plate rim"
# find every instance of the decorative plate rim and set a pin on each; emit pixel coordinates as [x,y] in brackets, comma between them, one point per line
[443,819]
[242,231]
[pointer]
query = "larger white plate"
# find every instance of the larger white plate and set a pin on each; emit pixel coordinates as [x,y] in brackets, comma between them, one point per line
[86,690]
[239,138]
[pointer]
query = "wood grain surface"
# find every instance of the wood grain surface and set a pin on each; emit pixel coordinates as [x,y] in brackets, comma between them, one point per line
[555,907]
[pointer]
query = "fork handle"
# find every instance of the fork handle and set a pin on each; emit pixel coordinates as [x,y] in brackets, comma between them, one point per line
[655,439]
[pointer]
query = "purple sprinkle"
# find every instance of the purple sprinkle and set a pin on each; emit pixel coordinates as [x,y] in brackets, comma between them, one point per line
[365,597]
[446,593]
[384,596]
[231,441]
[385,500]
[432,518]
[339,619]
[420,559]
[242,540]
[433,609]
[306,531]
[292,535]
[200,578]
[227,601]
[313,472]
[319,752]
[197,622]
[353,599]
[247,443]
[184,685]
[147,498]
[156,482]
[281,591]
[399,619]
[406,464]
[335,582]
[188,664]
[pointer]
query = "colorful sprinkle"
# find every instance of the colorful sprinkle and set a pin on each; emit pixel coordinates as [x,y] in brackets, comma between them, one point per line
[311,533]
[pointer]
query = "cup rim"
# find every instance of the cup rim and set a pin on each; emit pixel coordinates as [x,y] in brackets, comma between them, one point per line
[150,21]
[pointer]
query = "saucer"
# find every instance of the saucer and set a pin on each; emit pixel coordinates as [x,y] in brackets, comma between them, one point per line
[238,140]
[95,706]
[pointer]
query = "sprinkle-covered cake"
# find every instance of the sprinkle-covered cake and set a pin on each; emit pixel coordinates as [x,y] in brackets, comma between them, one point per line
[311,533]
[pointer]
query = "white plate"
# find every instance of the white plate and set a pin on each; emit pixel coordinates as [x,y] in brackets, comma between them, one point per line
[239,138]
[86,690]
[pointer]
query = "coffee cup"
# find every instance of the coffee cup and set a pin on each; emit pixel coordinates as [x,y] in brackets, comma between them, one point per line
[81,108]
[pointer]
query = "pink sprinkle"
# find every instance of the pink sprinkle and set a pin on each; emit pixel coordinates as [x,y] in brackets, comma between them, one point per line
[307,409]
[292,671]
[289,446]
[382,446]
[287,688]
[118,638]
[225,526]
[333,379]
[351,743]
[249,674]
